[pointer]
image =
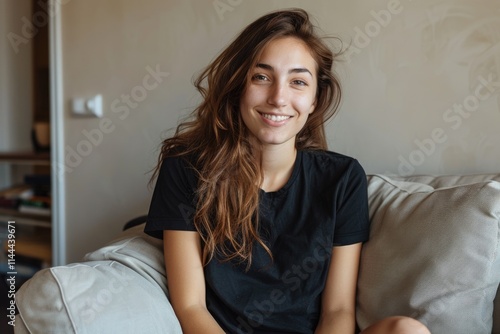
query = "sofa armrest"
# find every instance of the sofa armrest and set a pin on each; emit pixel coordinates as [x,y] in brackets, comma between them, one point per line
[94,297]
[138,251]
[119,288]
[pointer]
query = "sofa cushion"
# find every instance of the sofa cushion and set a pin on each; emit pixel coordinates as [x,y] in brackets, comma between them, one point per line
[442,181]
[138,251]
[432,255]
[93,297]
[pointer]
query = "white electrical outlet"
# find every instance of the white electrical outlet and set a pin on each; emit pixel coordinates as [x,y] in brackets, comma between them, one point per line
[89,107]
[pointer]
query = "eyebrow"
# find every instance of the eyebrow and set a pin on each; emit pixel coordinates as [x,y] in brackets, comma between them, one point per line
[293,70]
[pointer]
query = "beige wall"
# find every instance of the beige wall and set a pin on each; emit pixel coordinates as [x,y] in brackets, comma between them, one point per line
[400,87]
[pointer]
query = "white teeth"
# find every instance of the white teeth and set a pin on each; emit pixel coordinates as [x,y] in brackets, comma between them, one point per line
[275,118]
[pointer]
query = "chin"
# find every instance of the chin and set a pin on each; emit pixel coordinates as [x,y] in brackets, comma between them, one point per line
[274,141]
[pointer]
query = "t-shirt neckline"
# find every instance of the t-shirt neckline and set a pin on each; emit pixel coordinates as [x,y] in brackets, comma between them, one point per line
[288,184]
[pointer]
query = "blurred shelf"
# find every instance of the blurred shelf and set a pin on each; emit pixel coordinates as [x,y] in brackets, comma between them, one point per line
[31,158]
[25,218]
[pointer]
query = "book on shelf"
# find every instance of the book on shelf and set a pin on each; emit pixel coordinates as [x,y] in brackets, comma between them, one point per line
[40,183]
[21,191]
[8,203]
[32,197]
[11,197]
[34,210]
[39,205]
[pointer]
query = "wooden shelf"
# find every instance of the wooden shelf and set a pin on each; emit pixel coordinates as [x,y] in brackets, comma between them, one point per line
[36,246]
[30,158]
[25,218]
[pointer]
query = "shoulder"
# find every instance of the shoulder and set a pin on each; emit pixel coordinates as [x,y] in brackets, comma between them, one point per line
[178,169]
[332,170]
[178,161]
[320,161]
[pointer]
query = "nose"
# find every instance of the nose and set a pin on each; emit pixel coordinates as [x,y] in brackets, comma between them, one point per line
[278,95]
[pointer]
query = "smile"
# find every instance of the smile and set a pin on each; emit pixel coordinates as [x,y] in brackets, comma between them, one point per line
[275,118]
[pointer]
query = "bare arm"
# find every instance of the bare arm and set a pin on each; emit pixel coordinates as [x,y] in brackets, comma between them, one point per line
[338,300]
[186,282]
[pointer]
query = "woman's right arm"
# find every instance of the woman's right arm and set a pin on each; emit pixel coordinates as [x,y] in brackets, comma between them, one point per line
[186,282]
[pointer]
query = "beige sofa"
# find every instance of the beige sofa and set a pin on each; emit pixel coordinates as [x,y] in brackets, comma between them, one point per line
[433,254]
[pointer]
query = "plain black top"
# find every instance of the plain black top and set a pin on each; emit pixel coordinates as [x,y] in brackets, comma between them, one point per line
[323,204]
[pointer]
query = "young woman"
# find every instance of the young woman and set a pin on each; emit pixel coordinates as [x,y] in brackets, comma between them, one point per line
[262,226]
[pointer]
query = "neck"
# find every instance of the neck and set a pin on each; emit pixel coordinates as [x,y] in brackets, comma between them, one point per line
[277,164]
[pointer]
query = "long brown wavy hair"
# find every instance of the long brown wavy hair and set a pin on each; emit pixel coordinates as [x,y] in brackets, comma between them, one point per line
[226,214]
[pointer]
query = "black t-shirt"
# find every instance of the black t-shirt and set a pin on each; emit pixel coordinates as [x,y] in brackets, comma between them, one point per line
[323,204]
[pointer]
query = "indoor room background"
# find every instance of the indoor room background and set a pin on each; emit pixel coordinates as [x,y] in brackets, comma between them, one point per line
[421,90]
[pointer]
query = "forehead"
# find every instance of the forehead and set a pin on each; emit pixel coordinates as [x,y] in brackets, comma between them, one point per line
[287,52]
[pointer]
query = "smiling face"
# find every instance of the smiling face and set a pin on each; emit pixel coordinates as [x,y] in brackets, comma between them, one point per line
[280,92]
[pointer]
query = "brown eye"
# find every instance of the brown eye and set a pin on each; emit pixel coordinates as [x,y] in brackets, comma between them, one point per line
[299,82]
[259,77]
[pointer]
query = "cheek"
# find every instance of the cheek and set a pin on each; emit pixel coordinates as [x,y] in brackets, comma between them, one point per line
[305,104]
[244,102]
[245,108]
[248,99]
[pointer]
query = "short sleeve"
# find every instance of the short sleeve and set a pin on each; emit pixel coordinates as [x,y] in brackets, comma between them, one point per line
[173,203]
[352,224]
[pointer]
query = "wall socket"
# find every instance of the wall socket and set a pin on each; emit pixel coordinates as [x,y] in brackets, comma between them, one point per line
[87,107]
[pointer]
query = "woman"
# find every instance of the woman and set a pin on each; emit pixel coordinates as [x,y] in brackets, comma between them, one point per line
[262,226]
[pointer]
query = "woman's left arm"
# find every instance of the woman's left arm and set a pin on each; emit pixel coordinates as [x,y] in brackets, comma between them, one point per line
[338,301]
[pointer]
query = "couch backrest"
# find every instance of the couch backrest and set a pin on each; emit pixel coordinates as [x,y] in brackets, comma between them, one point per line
[459,195]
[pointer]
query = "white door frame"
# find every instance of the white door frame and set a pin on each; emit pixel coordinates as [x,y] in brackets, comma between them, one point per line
[57,136]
